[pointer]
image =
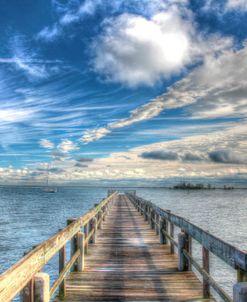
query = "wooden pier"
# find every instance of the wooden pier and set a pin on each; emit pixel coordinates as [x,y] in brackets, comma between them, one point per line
[125,249]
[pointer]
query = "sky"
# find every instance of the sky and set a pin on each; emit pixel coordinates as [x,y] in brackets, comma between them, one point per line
[132,91]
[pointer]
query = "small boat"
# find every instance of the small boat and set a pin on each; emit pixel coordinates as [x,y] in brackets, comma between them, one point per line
[49,189]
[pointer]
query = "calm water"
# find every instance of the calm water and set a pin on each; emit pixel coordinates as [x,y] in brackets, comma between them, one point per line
[29,216]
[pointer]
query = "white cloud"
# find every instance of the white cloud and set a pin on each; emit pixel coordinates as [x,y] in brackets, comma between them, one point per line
[94,134]
[216,154]
[237,4]
[67,145]
[33,68]
[89,7]
[14,115]
[47,144]
[217,88]
[48,34]
[69,14]
[28,61]
[38,71]
[134,50]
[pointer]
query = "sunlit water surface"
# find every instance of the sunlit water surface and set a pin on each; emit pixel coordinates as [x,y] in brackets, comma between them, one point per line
[29,216]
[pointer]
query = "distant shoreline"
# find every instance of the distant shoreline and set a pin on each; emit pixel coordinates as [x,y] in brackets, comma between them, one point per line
[120,187]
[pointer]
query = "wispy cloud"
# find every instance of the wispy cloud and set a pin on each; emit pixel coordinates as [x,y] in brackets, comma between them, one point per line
[236,4]
[49,33]
[28,60]
[70,13]
[69,16]
[47,144]
[9,115]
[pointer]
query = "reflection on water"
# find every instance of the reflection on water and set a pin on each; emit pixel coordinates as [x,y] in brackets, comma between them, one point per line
[29,216]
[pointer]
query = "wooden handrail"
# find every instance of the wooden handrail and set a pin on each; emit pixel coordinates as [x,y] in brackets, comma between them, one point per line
[230,254]
[19,275]
[223,250]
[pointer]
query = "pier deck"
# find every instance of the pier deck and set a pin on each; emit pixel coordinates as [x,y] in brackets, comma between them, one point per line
[127,263]
[126,248]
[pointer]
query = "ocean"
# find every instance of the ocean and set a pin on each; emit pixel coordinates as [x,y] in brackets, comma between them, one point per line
[29,216]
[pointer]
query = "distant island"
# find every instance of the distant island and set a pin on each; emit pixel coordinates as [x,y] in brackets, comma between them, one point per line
[190,186]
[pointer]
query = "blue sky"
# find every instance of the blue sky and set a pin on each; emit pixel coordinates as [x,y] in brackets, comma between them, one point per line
[142,90]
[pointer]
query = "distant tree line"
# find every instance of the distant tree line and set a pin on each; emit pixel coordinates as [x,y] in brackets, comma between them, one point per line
[199,186]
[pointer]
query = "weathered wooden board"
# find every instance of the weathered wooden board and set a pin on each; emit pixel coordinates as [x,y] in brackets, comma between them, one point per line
[127,263]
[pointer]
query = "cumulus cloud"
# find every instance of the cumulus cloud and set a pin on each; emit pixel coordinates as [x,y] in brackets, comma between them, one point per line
[134,50]
[67,145]
[227,157]
[216,154]
[47,144]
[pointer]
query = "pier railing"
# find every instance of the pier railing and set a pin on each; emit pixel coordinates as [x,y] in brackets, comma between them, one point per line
[25,277]
[163,221]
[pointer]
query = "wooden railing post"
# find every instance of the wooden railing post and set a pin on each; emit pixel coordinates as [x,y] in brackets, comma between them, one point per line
[240,292]
[183,244]
[142,209]
[27,294]
[162,227]
[150,217]
[157,219]
[205,265]
[41,287]
[73,244]
[62,262]
[86,234]
[241,275]
[146,213]
[172,235]
[80,260]
[94,227]
[100,220]
[103,213]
